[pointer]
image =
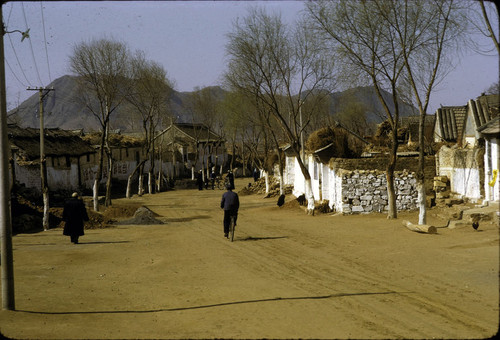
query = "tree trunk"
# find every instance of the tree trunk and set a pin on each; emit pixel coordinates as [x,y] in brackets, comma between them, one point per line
[420,228]
[95,193]
[308,184]
[150,182]
[45,220]
[98,175]
[422,215]
[266,178]
[281,170]
[107,201]
[309,196]
[129,186]
[391,192]
[140,190]
[129,180]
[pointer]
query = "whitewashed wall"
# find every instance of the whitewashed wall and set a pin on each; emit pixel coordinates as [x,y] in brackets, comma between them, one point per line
[461,167]
[492,155]
[288,172]
[299,184]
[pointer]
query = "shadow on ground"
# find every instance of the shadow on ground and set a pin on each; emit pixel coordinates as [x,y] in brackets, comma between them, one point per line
[338,295]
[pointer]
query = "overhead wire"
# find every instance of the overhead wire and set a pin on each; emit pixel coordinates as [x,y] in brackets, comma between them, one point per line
[18,61]
[45,42]
[15,54]
[13,73]
[31,46]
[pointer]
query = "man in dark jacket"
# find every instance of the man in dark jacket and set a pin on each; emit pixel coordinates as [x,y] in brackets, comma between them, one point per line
[230,203]
[230,178]
[199,180]
[74,214]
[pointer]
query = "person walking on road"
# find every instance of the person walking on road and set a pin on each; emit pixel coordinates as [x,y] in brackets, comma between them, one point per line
[230,178]
[74,214]
[199,180]
[230,203]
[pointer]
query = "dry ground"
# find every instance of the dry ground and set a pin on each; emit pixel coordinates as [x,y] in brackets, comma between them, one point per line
[286,275]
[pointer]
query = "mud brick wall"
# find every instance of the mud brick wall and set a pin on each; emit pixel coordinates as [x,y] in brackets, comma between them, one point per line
[365,191]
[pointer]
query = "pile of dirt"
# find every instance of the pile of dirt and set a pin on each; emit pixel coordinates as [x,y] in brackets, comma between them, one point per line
[142,216]
[27,215]
[121,210]
[259,187]
[98,220]
[291,203]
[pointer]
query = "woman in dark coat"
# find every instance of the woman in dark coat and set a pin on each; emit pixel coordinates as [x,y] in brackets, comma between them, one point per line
[74,214]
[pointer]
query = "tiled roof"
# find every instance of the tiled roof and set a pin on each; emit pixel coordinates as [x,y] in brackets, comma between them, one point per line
[451,120]
[484,108]
[491,128]
[57,142]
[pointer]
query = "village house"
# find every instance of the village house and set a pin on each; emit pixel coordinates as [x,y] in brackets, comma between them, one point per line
[192,147]
[357,185]
[68,158]
[464,162]
[127,152]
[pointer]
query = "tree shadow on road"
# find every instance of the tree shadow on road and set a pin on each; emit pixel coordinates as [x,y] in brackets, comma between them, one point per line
[174,309]
[185,219]
[250,238]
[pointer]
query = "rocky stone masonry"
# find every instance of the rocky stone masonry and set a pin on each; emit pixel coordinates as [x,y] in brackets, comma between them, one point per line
[365,191]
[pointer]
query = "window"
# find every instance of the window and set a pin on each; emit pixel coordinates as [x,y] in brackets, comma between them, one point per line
[68,162]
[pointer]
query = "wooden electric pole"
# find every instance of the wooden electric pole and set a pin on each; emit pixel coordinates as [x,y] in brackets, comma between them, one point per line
[7,259]
[43,161]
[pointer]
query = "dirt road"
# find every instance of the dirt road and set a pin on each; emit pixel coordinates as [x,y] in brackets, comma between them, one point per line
[286,275]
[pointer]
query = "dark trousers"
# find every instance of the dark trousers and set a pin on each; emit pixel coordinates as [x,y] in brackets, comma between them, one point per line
[74,238]
[227,219]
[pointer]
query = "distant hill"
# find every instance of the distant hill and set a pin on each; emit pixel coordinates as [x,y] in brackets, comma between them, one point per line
[64,109]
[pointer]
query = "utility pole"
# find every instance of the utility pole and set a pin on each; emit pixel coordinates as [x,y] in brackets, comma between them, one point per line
[43,161]
[7,258]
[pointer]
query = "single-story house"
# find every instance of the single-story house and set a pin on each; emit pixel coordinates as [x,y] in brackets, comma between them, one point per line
[67,155]
[463,163]
[192,146]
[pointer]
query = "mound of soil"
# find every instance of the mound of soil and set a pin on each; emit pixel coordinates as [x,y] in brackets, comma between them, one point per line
[142,216]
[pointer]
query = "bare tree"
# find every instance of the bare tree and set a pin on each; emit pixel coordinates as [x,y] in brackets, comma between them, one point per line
[150,90]
[205,109]
[483,18]
[356,33]
[102,67]
[281,67]
[426,32]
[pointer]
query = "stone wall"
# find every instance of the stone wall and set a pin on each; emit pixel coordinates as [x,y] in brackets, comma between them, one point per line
[409,164]
[365,191]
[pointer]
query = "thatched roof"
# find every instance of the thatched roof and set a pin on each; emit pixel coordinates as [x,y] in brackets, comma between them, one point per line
[115,140]
[26,142]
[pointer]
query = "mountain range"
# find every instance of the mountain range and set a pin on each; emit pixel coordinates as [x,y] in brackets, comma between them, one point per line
[63,108]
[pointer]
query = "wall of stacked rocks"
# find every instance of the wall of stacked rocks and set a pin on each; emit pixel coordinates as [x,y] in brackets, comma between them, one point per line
[365,191]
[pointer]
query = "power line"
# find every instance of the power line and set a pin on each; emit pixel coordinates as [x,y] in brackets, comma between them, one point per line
[31,45]
[15,54]
[45,42]
[18,61]
[15,75]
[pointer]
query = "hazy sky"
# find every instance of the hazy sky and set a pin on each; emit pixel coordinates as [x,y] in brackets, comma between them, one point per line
[186,37]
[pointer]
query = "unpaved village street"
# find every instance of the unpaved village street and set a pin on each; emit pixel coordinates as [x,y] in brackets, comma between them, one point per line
[286,275]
